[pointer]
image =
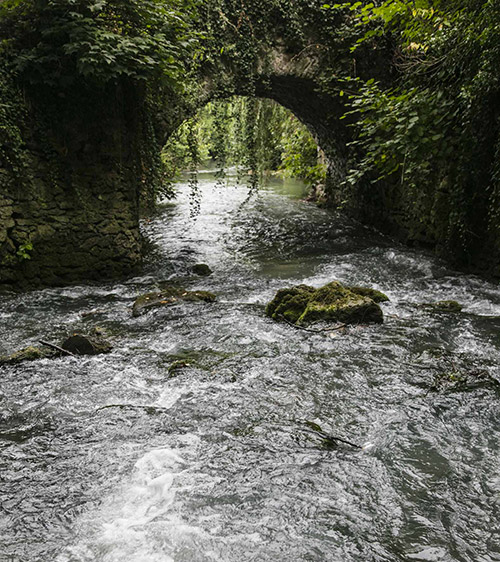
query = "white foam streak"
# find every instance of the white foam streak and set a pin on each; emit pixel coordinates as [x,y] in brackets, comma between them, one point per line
[137,523]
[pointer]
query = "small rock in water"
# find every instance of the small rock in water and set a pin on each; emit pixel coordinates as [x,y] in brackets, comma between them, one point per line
[86,345]
[201,269]
[77,344]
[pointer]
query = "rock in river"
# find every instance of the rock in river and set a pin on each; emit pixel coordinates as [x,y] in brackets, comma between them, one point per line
[28,354]
[86,345]
[444,306]
[169,296]
[302,305]
[77,344]
[201,269]
[376,296]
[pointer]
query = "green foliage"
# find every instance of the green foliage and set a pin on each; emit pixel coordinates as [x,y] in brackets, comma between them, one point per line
[54,42]
[438,121]
[408,132]
[23,252]
[187,148]
[412,20]
[195,161]
[256,136]
[301,157]
[219,137]
[239,36]
[11,116]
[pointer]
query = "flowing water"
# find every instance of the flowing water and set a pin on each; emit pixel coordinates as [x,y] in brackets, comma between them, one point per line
[117,458]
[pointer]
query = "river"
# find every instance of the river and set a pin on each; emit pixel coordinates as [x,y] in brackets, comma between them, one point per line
[214,462]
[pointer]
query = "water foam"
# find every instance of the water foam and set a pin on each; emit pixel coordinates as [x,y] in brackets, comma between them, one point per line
[137,523]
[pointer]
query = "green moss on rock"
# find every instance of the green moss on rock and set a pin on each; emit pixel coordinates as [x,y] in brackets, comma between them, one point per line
[28,354]
[445,306]
[169,296]
[334,302]
[290,303]
[376,296]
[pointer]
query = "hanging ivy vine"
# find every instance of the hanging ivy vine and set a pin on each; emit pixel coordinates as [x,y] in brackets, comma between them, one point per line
[195,161]
[256,136]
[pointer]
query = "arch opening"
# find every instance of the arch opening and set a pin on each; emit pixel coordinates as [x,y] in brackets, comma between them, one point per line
[248,138]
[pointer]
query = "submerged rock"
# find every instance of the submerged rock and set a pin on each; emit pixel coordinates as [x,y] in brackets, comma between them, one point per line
[445,306]
[201,269]
[176,366]
[169,296]
[329,441]
[461,380]
[334,302]
[202,359]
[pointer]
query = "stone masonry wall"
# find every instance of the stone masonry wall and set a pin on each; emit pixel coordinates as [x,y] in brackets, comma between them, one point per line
[72,213]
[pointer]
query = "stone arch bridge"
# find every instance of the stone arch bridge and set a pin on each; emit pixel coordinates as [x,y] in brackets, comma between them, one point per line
[76,217]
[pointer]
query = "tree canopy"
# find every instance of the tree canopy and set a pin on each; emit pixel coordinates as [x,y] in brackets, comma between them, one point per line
[56,42]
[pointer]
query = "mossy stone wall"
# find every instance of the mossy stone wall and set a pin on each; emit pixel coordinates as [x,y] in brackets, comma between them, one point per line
[69,211]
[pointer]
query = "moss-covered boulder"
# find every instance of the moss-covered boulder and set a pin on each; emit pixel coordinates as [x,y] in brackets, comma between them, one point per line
[334,302]
[169,296]
[28,354]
